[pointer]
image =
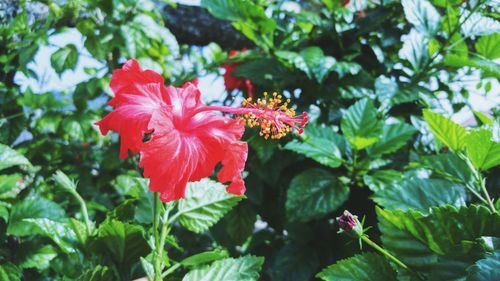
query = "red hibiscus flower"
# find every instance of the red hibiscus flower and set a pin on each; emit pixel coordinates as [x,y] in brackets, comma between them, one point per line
[231,82]
[187,139]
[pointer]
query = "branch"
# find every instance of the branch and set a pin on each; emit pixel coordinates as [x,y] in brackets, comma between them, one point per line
[193,25]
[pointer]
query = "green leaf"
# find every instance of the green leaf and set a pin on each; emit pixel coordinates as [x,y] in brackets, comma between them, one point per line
[205,257]
[60,233]
[295,262]
[98,273]
[11,185]
[422,15]
[9,157]
[415,50]
[240,223]
[448,132]
[246,17]
[38,257]
[313,194]
[364,267]
[360,124]
[445,227]
[206,202]
[485,269]
[483,152]
[245,268]
[320,143]
[123,242]
[394,136]
[315,64]
[382,179]
[64,58]
[265,72]
[4,211]
[489,46]
[485,119]
[342,68]
[420,195]
[477,24]
[31,208]
[417,255]
[148,267]
[10,272]
[449,166]
[64,181]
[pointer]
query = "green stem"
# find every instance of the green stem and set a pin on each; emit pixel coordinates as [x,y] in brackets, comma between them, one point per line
[165,229]
[388,255]
[482,183]
[156,222]
[384,252]
[171,269]
[85,213]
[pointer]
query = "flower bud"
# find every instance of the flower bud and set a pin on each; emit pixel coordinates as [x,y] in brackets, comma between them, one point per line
[350,224]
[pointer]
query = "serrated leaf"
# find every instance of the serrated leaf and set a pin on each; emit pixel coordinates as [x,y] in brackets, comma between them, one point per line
[489,46]
[360,124]
[448,132]
[483,152]
[205,257]
[31,208]
[394,136]
[206,202]
[320,143]
[420,194]
[486,269]
[364,267]
[64,58]
[313,194]
[245,268]
[9,157]
[445,227]
[424,17]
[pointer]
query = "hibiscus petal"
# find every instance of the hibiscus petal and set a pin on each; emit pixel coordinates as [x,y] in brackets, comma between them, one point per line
[138,93]
[172,157]
[233,165]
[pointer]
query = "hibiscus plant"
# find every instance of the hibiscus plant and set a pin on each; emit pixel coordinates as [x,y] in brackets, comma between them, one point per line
[250,140]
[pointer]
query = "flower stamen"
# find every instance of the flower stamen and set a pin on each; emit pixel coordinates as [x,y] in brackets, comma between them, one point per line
[273,116]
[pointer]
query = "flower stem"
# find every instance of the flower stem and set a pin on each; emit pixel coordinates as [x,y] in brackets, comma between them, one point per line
[388,255]
[384,252]
[85,213]
[482,183]
[156,222]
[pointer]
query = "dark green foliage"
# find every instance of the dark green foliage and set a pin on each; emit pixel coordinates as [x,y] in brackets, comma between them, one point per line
[382,82]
